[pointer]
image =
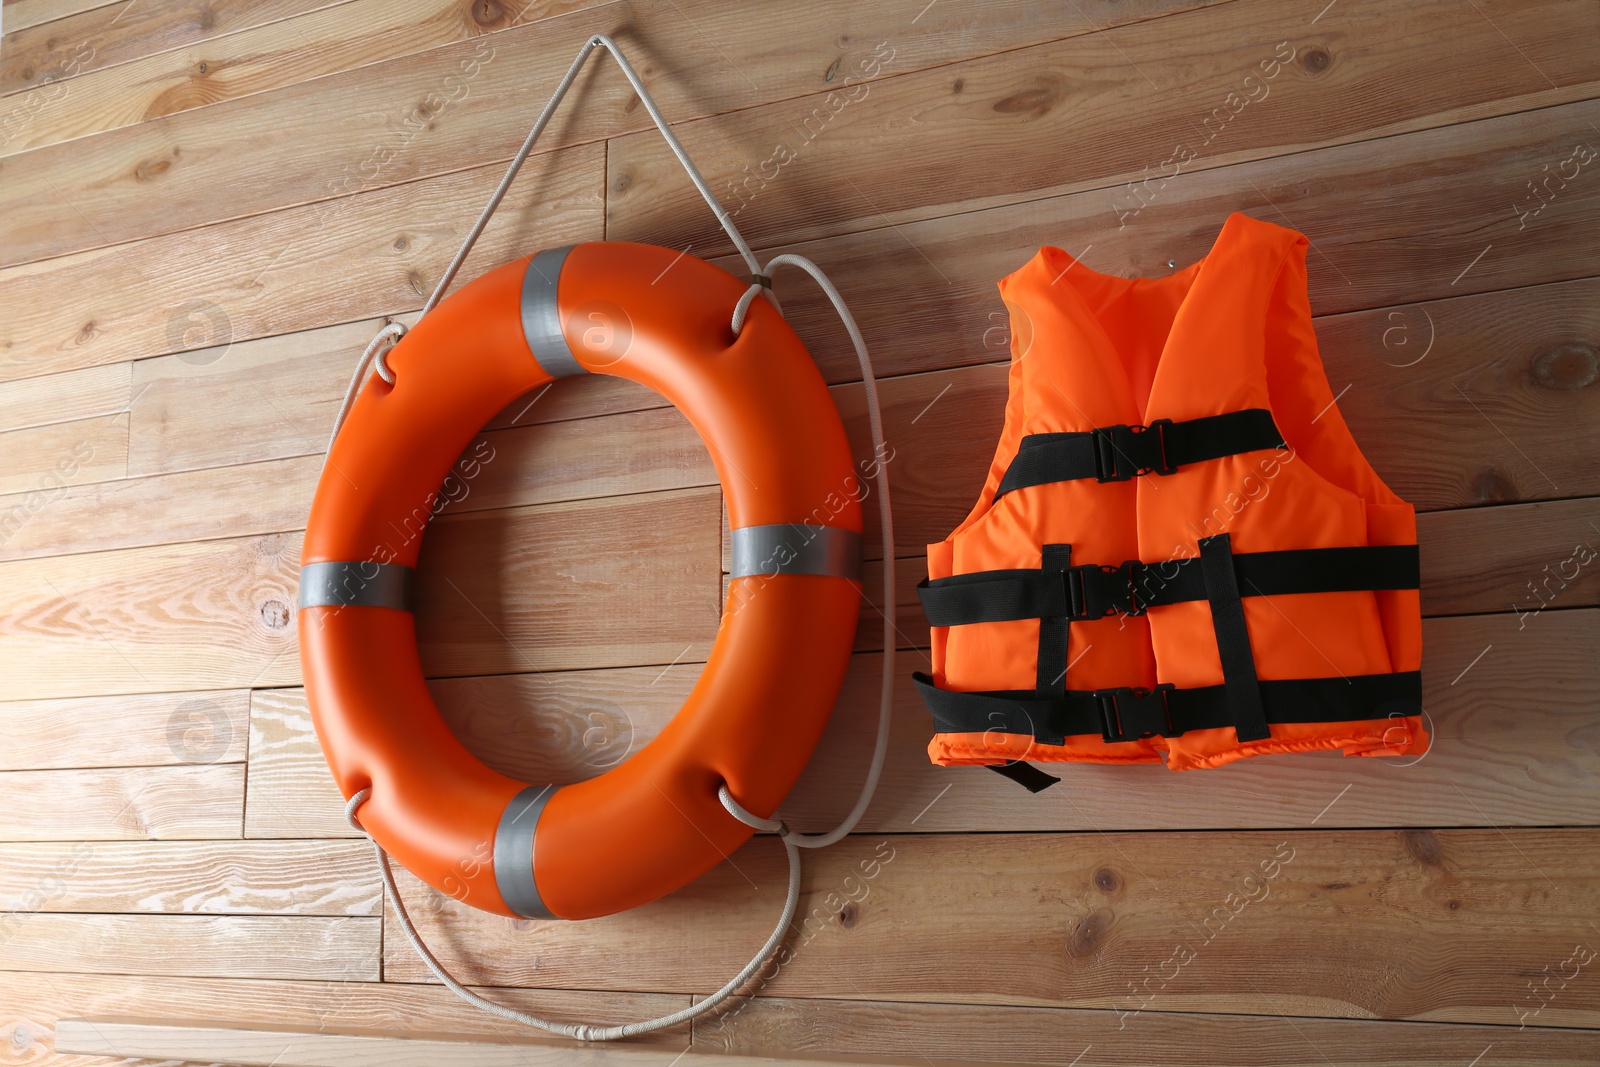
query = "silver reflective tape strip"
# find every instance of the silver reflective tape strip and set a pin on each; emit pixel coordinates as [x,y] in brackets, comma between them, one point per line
[361,585]
[541,318]
[513,852]
[796,548]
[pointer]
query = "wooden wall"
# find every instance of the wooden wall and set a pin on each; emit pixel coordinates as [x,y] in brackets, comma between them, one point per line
[207,209]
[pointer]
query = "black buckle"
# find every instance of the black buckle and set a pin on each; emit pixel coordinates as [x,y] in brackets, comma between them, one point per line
[1131,714]
[1124,452]
[1095,591]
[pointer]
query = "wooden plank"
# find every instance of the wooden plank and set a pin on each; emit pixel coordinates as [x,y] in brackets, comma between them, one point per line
[213,878]
[46,459]
[249,499]
[34,1002]
[1529,558]
[80,394]
[1510,748]
[1244,81]
[555,587]
[1061,1036]
[122,804]
[473,100]
[1470,400]
[20,14]
[274,397]
[140,730]
[630,452]
[202,946]
[1082,920]
[106,35]
[345,259]
[924,292]
[546,587]
[554,726]
[188,74]
[281,1048]
[176,617]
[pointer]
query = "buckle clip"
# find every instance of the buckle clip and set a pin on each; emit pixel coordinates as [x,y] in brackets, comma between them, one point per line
[1096,590]
[1125,452]
[1132,714]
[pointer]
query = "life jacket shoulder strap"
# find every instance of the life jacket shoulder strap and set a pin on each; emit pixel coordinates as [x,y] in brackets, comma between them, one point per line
[1118,453]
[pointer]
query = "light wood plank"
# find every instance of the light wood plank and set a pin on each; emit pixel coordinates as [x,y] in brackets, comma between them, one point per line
[201,946]
[202,616]
[183,878]
[630,452]
[287,1048]
[106,35]
[347,258]
[545,587]
[46,459]
[564,586]
[192,73]
[80,394]
[555,726]
[139,730]
[924,292]
[20,14]
[276,396]
[473,99]
[117,804]
[35,1001]
[1062,1036]
[1082,919]
[1054,118]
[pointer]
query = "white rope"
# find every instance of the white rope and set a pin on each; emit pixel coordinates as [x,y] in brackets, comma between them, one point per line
[396,330]
[792,842]
[583,1031]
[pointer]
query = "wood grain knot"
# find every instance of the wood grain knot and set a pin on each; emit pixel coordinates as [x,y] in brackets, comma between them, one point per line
[1492,486]
[1424,847]
[275,614]
[1089,934]
[1565,368]
[1315,59]
[487,12]
[849,915]
[1034,102]
[1106,880]
[150,169]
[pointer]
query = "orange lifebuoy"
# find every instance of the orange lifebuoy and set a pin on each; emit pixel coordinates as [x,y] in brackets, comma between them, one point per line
[654,823]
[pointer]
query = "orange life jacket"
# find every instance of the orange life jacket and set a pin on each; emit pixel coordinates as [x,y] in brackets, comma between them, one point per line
[1179,552]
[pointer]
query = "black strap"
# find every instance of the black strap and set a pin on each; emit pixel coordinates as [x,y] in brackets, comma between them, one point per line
[1050,669]
[1233,638]
[1126,714]
[1092,592]
[1118,453]
[1026,775]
